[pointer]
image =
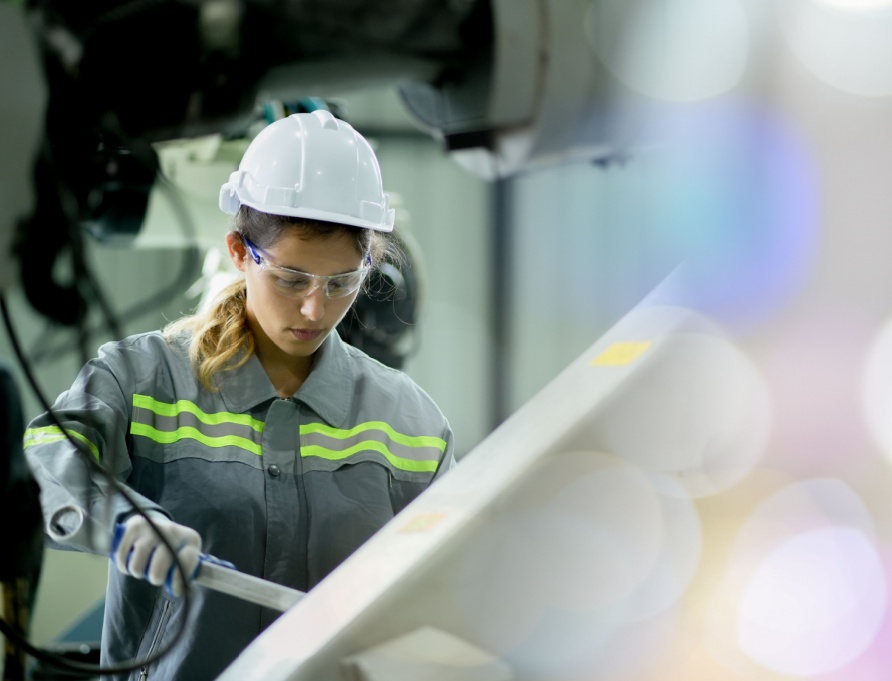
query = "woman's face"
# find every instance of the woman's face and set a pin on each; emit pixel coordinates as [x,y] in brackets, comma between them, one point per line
[291,329]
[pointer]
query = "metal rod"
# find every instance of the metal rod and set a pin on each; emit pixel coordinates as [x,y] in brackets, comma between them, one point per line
[248,588]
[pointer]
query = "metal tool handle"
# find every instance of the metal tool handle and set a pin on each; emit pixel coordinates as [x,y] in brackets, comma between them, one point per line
[222,576]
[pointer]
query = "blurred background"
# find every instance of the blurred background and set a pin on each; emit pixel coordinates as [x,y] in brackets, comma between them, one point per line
[553,161]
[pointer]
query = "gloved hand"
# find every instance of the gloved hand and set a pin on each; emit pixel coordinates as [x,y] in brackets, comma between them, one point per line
[138,551]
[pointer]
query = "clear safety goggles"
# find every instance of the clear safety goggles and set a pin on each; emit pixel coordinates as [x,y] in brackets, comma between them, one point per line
[297,284]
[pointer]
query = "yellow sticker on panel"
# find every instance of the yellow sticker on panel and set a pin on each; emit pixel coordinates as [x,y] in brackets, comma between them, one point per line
[422,522]
[619,354]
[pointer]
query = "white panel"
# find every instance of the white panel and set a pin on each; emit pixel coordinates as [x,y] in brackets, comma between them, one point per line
[535,524]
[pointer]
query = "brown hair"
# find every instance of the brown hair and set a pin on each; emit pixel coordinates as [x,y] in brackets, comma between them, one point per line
[220,337]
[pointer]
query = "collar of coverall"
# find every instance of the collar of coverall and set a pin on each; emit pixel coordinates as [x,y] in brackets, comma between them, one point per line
[328,390]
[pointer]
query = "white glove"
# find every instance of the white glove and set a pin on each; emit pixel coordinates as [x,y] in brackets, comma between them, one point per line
[139,551]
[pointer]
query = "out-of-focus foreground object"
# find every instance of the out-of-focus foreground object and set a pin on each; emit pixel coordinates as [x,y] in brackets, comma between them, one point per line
[22,529]
[23,96]
[566,538]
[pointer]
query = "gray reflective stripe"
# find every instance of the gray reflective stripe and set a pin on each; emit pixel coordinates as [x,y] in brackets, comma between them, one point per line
[167,423]
[417,454]
[47,434]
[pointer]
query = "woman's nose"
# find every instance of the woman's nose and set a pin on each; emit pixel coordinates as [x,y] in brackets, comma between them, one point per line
[313,305]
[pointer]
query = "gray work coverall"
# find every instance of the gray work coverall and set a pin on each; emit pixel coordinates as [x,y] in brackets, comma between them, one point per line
[285,489]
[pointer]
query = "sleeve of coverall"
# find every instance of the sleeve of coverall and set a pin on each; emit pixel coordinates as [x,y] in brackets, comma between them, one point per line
[79,505]
[447,461]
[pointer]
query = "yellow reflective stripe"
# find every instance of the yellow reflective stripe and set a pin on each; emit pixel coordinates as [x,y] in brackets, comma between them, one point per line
[398,461]
[48,434]
[189,433]
[399,438]
[180,406]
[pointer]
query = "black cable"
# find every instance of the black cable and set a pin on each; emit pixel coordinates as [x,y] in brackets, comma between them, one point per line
[187,272]
[84,282]
[17,637]
[143,152]
[83,275]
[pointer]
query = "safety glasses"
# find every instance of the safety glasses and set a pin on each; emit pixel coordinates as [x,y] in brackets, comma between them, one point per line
[297,284]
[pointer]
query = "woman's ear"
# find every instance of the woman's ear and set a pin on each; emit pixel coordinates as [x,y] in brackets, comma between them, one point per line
[237,251]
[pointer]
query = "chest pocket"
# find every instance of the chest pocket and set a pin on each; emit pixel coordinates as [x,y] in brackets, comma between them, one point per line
[356,480]
[408,458]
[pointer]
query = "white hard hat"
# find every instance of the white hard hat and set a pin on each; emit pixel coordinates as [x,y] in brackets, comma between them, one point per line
[311,165]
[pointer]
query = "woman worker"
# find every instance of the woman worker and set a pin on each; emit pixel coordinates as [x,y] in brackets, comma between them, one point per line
[248,431]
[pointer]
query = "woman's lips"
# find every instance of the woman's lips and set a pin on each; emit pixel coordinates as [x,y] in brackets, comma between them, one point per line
[306,334]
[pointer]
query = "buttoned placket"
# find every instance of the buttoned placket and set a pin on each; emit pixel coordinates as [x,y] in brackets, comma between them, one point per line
[286,540]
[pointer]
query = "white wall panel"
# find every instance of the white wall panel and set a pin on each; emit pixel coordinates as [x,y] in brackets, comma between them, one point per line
[450,221]
[581,256]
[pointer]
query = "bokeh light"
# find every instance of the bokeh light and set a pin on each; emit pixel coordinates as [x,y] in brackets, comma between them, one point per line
[874,663]
[805,590]
[815,603]
[731,189]
[814,372]
[584,543]
[876,390]
[846,44]
[697,410]
[680,553]
[591,550]
[683,50]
